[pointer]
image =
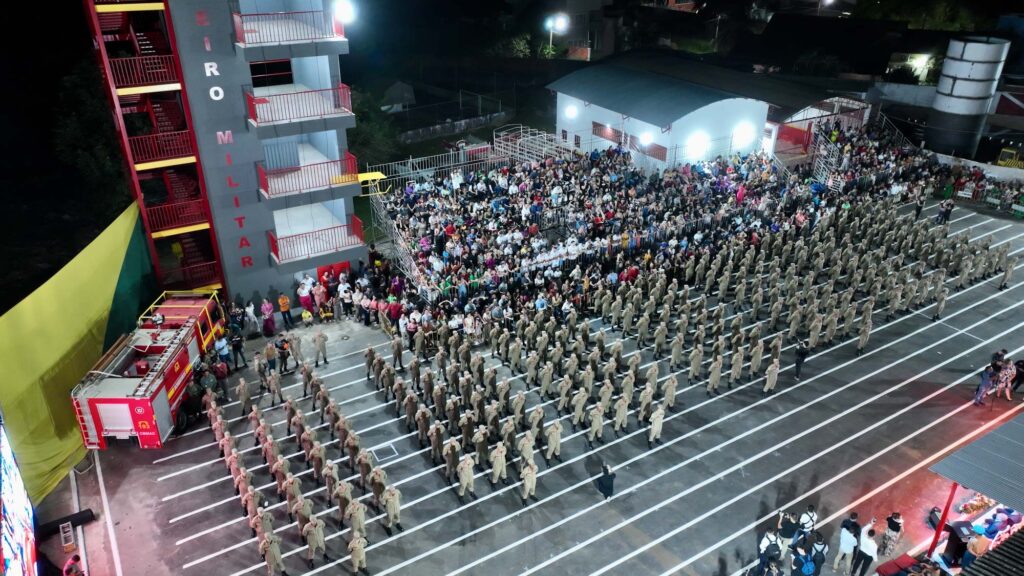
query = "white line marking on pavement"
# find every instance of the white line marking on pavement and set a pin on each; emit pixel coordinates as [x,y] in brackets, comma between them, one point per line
[589,480]
[766,452]
[802,463]
[107,516]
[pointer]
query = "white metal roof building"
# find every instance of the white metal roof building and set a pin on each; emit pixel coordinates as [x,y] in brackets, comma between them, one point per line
[673,110]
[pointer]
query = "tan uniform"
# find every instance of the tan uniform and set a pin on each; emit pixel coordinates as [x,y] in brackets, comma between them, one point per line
[313,532]
[270,548]
[596,424]
[356,515]
[529,477]
[357,550]
[621,412]
[465,471]
[498,461]
[771,377]
[656,421]
[392,500]
[553,436]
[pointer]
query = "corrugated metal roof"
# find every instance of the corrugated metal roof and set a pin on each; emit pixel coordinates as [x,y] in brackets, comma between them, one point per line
[647,96]
[992,465]
[1007,559]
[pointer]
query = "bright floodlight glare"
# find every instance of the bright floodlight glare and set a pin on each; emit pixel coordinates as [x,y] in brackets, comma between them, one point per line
[920,62]
[743,135]
[571,111]
[646,138]
[561,23]
[697,145]
[344,11]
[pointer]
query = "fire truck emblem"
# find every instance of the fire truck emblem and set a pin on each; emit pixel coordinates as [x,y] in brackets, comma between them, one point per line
[139,410]
[143,425]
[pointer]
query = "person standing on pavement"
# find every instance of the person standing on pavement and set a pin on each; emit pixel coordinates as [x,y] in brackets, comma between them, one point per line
[868,551]
[802,351]
[891,536]
[284,304]
[320,345]
[983,386]
[849,533]
[606,481]
[238,348]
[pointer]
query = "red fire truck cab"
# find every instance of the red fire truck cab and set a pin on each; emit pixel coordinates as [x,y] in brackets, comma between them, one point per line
[138,388]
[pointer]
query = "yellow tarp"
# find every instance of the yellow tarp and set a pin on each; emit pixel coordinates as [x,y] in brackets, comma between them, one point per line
[47,343]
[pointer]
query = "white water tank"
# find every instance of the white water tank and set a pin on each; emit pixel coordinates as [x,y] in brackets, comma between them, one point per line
[970,75]
[963,97]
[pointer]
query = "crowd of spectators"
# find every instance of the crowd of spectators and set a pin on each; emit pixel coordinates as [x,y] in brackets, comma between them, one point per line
[488,243]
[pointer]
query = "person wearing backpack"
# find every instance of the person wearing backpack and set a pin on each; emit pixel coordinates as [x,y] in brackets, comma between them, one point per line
[803,563]
[806,524]
[769,550]
[818,552]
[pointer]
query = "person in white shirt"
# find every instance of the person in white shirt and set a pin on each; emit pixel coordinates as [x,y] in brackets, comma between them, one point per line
[769,549]
[807,521]
[868,551]
[847,544]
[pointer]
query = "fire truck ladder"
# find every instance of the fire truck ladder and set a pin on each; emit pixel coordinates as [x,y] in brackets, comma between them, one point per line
[90,437]
[143,388]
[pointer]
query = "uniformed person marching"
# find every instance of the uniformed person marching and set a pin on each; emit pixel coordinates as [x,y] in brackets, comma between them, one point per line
[244,396]
[865,334]
[465,472]
[596,426]
[553,438]
[714,375]
[771,377]
[392,501]
[357,552]
[657,418]
[270,549]
[356,516]
[320,343]
[313,533]
[451,452]
[529,477]
[396,353]
[621,412]
[342,496]
[498,461]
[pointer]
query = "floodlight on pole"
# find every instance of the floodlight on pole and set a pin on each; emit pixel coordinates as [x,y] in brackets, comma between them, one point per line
[555,23]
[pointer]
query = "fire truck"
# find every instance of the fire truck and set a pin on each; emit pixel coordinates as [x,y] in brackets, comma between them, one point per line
[139,388]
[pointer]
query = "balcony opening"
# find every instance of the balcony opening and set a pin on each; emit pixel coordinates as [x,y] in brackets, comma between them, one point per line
[313,230]
[186,260]
[304,163]
[172,198]
[138,49]
[260,24]
[294,90]
[156,127]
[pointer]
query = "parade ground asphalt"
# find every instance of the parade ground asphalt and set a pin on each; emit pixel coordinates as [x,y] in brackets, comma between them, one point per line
[855,433]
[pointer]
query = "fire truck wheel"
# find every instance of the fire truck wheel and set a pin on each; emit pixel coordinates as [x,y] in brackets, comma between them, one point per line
[180,423]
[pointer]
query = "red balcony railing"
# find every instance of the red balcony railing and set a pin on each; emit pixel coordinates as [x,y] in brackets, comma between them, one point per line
[285,27]
[315,243]
[308,177]
[192,276]
[143,71]
[292,106]
[160,146]
[167,216]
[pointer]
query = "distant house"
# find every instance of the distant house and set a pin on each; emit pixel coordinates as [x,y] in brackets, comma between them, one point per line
[397,98]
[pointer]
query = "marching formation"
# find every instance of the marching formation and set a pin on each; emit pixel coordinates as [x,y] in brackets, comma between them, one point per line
[483,400]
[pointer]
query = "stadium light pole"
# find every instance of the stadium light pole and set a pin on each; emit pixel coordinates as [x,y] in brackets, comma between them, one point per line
[825,2]
[555,23]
